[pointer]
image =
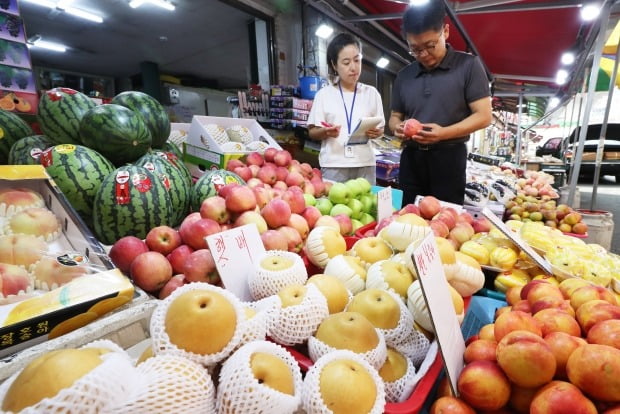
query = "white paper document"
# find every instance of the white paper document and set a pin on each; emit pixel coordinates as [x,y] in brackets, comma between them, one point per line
[358,136]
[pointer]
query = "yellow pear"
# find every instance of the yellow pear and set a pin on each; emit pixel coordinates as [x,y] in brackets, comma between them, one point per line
[372,249]
[446,250]
[348,330]
[457,300]
[334,291]
[394,367]
[271,371]
[50,373]
[412,219]
[276,263]
[378,306]
[201,321]
[146,354]
[346,387]
[292,295]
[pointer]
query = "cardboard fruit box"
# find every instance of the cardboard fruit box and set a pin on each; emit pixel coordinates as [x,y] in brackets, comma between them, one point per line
[207,151]
[44,315]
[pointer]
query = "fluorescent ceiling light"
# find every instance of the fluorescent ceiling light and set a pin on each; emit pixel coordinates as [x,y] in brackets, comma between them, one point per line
[418,3]
[136,3]
[382,62]
[83,14]
[43,44]
[568,58]
[63,5]
[561,77]
[324,31]
[44,3]
[590,12]
[160,3]
[553,102]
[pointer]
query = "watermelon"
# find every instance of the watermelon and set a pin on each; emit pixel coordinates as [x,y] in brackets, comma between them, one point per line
[116,132]
[12,129]
[152,112]
[209,184]
[178,188]
[60,113]
[170,146]
[78,171]
[130,202]
[27,150]
[176,162]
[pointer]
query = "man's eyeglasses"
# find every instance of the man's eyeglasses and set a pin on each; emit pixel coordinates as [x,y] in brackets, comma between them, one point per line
[428,48]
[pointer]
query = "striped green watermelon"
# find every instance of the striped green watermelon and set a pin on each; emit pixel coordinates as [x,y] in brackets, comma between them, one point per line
[130,202]
[174,181]
[12,129]
[152,112]
[78,171]
[178,163]
[27,150]
[116,132]
[170,146]
[60,113]
[208,185]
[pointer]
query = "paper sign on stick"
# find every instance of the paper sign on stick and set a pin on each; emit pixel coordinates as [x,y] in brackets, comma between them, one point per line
[384,204]
[516,239]
[235,252]
[439,303]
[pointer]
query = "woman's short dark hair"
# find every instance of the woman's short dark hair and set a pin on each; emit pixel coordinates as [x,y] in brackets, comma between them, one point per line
[338,43]
[420,19]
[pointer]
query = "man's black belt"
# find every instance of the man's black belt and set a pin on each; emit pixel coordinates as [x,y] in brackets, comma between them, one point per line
[434,147]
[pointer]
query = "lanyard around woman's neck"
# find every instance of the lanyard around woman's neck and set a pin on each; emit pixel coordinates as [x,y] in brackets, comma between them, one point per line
[349,116]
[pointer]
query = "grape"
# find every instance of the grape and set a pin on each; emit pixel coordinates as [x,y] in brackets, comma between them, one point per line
[5,77]
[21,78]
[13,25]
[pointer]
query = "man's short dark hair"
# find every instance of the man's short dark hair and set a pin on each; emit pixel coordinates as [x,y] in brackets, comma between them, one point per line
[420,19]
[338,43]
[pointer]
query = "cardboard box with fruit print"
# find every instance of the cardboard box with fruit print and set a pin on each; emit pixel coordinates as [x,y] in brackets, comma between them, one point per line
[54,275]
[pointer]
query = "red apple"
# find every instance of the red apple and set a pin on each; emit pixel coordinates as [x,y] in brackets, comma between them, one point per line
[447,218]
[346,226]
[280,185]
[232,164]
[309,188]
[311,214]
[267,174]
[163,239]
[254,182]
[319,186]
[281,173]
[178,257]
[244,172]
[481,225]
[255,169]
[412,127]
[150,271]
[240,199]
[263,196]
[383,223]
[274,240]
[429,206]
[282,158]
[316,174]
[293,238]
[186,223]
[295,199]
[226,189]
[125,250]
[276,213]
[270,154]
[300,224]
[252,217]
[440,228]
[409,208]
[200,267]
[214,208]
[254,158]
[466,217]
[294,178]
[306,170]
[175,281]
[198,230]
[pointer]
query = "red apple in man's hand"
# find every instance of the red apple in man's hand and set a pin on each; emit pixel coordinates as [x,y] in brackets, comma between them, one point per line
[175,281]
[412,127]
[163,239]
[150,271]
[200,267]
[125,250]
[178,257]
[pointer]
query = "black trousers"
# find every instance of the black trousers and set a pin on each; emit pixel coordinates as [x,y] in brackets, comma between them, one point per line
[437,171]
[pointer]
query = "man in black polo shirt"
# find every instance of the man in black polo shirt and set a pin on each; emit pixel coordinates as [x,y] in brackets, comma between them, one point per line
[448,92]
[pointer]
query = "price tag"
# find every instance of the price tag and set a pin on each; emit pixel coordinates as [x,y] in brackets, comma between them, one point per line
[234,252]
[437,296]
[516,239]
[384,203]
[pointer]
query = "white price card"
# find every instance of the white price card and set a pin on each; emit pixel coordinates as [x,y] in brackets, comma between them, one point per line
[234,252]
[516,239]
[384,204]
[439,303]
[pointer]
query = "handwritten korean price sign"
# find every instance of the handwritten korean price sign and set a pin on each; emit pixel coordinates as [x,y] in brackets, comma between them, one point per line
[384,203]
[439,303]
[234,252]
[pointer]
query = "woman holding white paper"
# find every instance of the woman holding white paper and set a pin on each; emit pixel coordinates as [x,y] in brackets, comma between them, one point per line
[339,107]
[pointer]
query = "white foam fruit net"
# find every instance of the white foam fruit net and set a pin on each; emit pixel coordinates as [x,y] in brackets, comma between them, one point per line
[312,402]
[295,324]
[170,384]
[240,392]
[414,347]
[218,133]
[264,282]
[95,392]
[400,390]
[239,133]
[161,340]
[417,306]
[256,327]
[375,357]
[404,329]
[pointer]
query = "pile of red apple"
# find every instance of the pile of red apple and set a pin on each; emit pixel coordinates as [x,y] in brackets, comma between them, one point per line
[554,349]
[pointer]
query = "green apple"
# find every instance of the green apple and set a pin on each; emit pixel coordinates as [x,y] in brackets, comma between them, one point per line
[340,209]
[356,207]
[356,224]
[366,218]
[367,202]
[310,200]
[366,186]
[324,205]
[355,187]
[339,194]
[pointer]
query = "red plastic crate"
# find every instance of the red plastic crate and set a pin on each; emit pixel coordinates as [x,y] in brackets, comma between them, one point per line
[361,232]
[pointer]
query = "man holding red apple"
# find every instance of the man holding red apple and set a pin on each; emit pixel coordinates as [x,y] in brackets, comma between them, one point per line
[437,101]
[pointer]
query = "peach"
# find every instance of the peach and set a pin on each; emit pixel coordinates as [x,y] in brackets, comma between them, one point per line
[595,311]
[615,409]
[522,306]
[526,359]
[562,345]
[482,349]
[513,294]
[448,404]
[591,292]
[545,303]
[13,279]
[501,310]
[566,307]
[50,274]
[21,249]
[605,333]
[487,332]
[483,385]
[568,286]
[515,321]
[595,369]
[555,320]
[525,290]
[38,221]
[541,291]
[560,397]
[521,398]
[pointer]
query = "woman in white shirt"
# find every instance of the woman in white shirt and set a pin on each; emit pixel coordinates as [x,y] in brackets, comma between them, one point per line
[338,108]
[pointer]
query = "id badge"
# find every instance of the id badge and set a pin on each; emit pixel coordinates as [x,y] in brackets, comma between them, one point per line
[348,151]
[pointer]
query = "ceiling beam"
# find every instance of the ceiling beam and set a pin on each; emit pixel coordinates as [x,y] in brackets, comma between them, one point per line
[524,77]
[550,5]
[375,17]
